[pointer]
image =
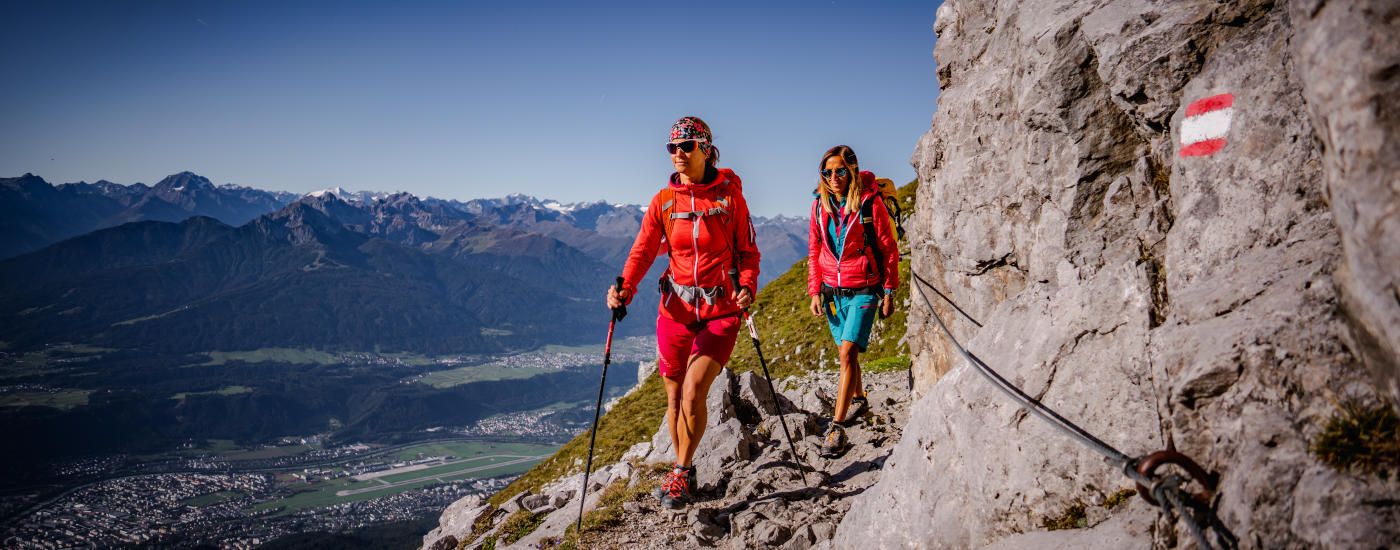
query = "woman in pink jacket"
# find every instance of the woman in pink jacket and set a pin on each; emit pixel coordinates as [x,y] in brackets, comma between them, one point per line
[852,272]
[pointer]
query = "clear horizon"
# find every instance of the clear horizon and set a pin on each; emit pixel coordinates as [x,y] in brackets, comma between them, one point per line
[462,100]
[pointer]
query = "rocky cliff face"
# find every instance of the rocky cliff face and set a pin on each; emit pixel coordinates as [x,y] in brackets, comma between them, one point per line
[1178,223]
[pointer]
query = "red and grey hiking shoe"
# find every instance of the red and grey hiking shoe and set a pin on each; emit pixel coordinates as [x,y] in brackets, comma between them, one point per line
[675,490]
[834,442]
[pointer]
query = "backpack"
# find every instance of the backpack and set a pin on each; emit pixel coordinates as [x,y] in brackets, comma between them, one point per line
[890,194]
[668,205]
[885,191]
[867,222]
[668,216]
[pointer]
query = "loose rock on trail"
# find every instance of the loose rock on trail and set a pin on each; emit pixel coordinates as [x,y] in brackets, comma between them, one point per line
[751,493]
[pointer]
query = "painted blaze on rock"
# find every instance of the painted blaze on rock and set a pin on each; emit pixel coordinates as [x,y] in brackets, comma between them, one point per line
[1207,121]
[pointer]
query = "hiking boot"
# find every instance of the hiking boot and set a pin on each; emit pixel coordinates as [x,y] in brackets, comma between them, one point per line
[859,406]
[834,442]
[675,489]
[689,479]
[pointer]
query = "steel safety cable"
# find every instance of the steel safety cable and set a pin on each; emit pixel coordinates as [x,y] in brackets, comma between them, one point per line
[1030,404]
[1166,489]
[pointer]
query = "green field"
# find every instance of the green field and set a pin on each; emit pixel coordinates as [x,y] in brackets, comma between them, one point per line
[324,494]
[300,356]
[220,446]
[480,373]
[263,453]
[145,318]
[212,498]
[468,449]
[572,356]
[644,345]
[62,399]
[231,450]
[34,363]
[450,469]
[583,348]
[226,390]
[411,358]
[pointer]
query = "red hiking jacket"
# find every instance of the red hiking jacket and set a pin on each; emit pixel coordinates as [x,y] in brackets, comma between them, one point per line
[724,240]
[854,267]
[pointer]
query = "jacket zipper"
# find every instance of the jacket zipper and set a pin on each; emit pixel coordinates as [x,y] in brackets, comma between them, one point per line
[844,239]
[695,243]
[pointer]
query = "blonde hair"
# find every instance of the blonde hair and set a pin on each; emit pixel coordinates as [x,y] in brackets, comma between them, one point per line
[853,190]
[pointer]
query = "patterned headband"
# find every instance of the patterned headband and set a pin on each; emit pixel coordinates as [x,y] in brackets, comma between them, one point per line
[691,128]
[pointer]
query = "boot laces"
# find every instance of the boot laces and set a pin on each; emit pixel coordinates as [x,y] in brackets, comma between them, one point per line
[676,484]
[833,437]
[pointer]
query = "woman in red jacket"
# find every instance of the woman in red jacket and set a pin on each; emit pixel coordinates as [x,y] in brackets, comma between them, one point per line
[702,221]
[852,269]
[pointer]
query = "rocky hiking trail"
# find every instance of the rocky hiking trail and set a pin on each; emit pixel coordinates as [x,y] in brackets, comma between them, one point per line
[752,494]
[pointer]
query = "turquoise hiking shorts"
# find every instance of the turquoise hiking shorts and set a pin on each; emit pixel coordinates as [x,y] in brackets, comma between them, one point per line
[850,318]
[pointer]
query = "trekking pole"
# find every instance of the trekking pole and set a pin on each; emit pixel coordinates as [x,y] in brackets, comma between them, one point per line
[753,335]
[617,314]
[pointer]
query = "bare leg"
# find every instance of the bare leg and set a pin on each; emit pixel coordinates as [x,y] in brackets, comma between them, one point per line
[673,407]
[848,384]
[857,384]
[693,416]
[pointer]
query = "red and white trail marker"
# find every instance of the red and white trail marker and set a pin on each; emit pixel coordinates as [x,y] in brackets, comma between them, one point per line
[1206,123]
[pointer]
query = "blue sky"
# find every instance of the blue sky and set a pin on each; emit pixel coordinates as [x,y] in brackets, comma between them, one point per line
[565,100]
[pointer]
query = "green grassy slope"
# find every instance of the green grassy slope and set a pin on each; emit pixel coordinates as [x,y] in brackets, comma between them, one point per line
[784,323]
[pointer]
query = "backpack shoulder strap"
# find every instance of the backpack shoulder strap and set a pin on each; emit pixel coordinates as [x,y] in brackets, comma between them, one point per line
[867,222]
[668,204]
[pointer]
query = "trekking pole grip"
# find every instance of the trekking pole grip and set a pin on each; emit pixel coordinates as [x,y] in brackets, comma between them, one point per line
[620,311]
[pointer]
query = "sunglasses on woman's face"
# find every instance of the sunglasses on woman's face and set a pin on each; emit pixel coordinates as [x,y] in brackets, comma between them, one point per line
[840,173]
[687,146]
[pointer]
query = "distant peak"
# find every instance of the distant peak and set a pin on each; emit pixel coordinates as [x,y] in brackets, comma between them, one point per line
[337,192]
[30,179]
[184,180]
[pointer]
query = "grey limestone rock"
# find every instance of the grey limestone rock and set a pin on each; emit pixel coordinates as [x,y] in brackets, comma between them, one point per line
[1345,55]
[726,438]
[534,503]
[1154,297]
[753,389]
[457,520]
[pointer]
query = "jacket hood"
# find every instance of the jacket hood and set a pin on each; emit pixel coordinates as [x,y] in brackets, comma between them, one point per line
[867,185]
[725,174]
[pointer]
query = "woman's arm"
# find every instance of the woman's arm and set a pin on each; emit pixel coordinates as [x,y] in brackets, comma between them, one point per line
[644,249]
[814,251]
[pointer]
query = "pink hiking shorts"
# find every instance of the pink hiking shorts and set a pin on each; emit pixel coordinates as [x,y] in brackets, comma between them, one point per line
[677,342]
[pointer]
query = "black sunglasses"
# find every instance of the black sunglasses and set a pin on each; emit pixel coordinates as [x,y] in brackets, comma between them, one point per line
[687,146]
[840,173]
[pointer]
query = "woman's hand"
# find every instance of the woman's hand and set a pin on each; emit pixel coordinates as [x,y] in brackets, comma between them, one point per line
[616,297]
[816,306]
[743,298]
[887,306]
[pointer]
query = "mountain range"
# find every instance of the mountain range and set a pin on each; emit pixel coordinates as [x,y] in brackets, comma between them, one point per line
[186,266]
[35,214]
